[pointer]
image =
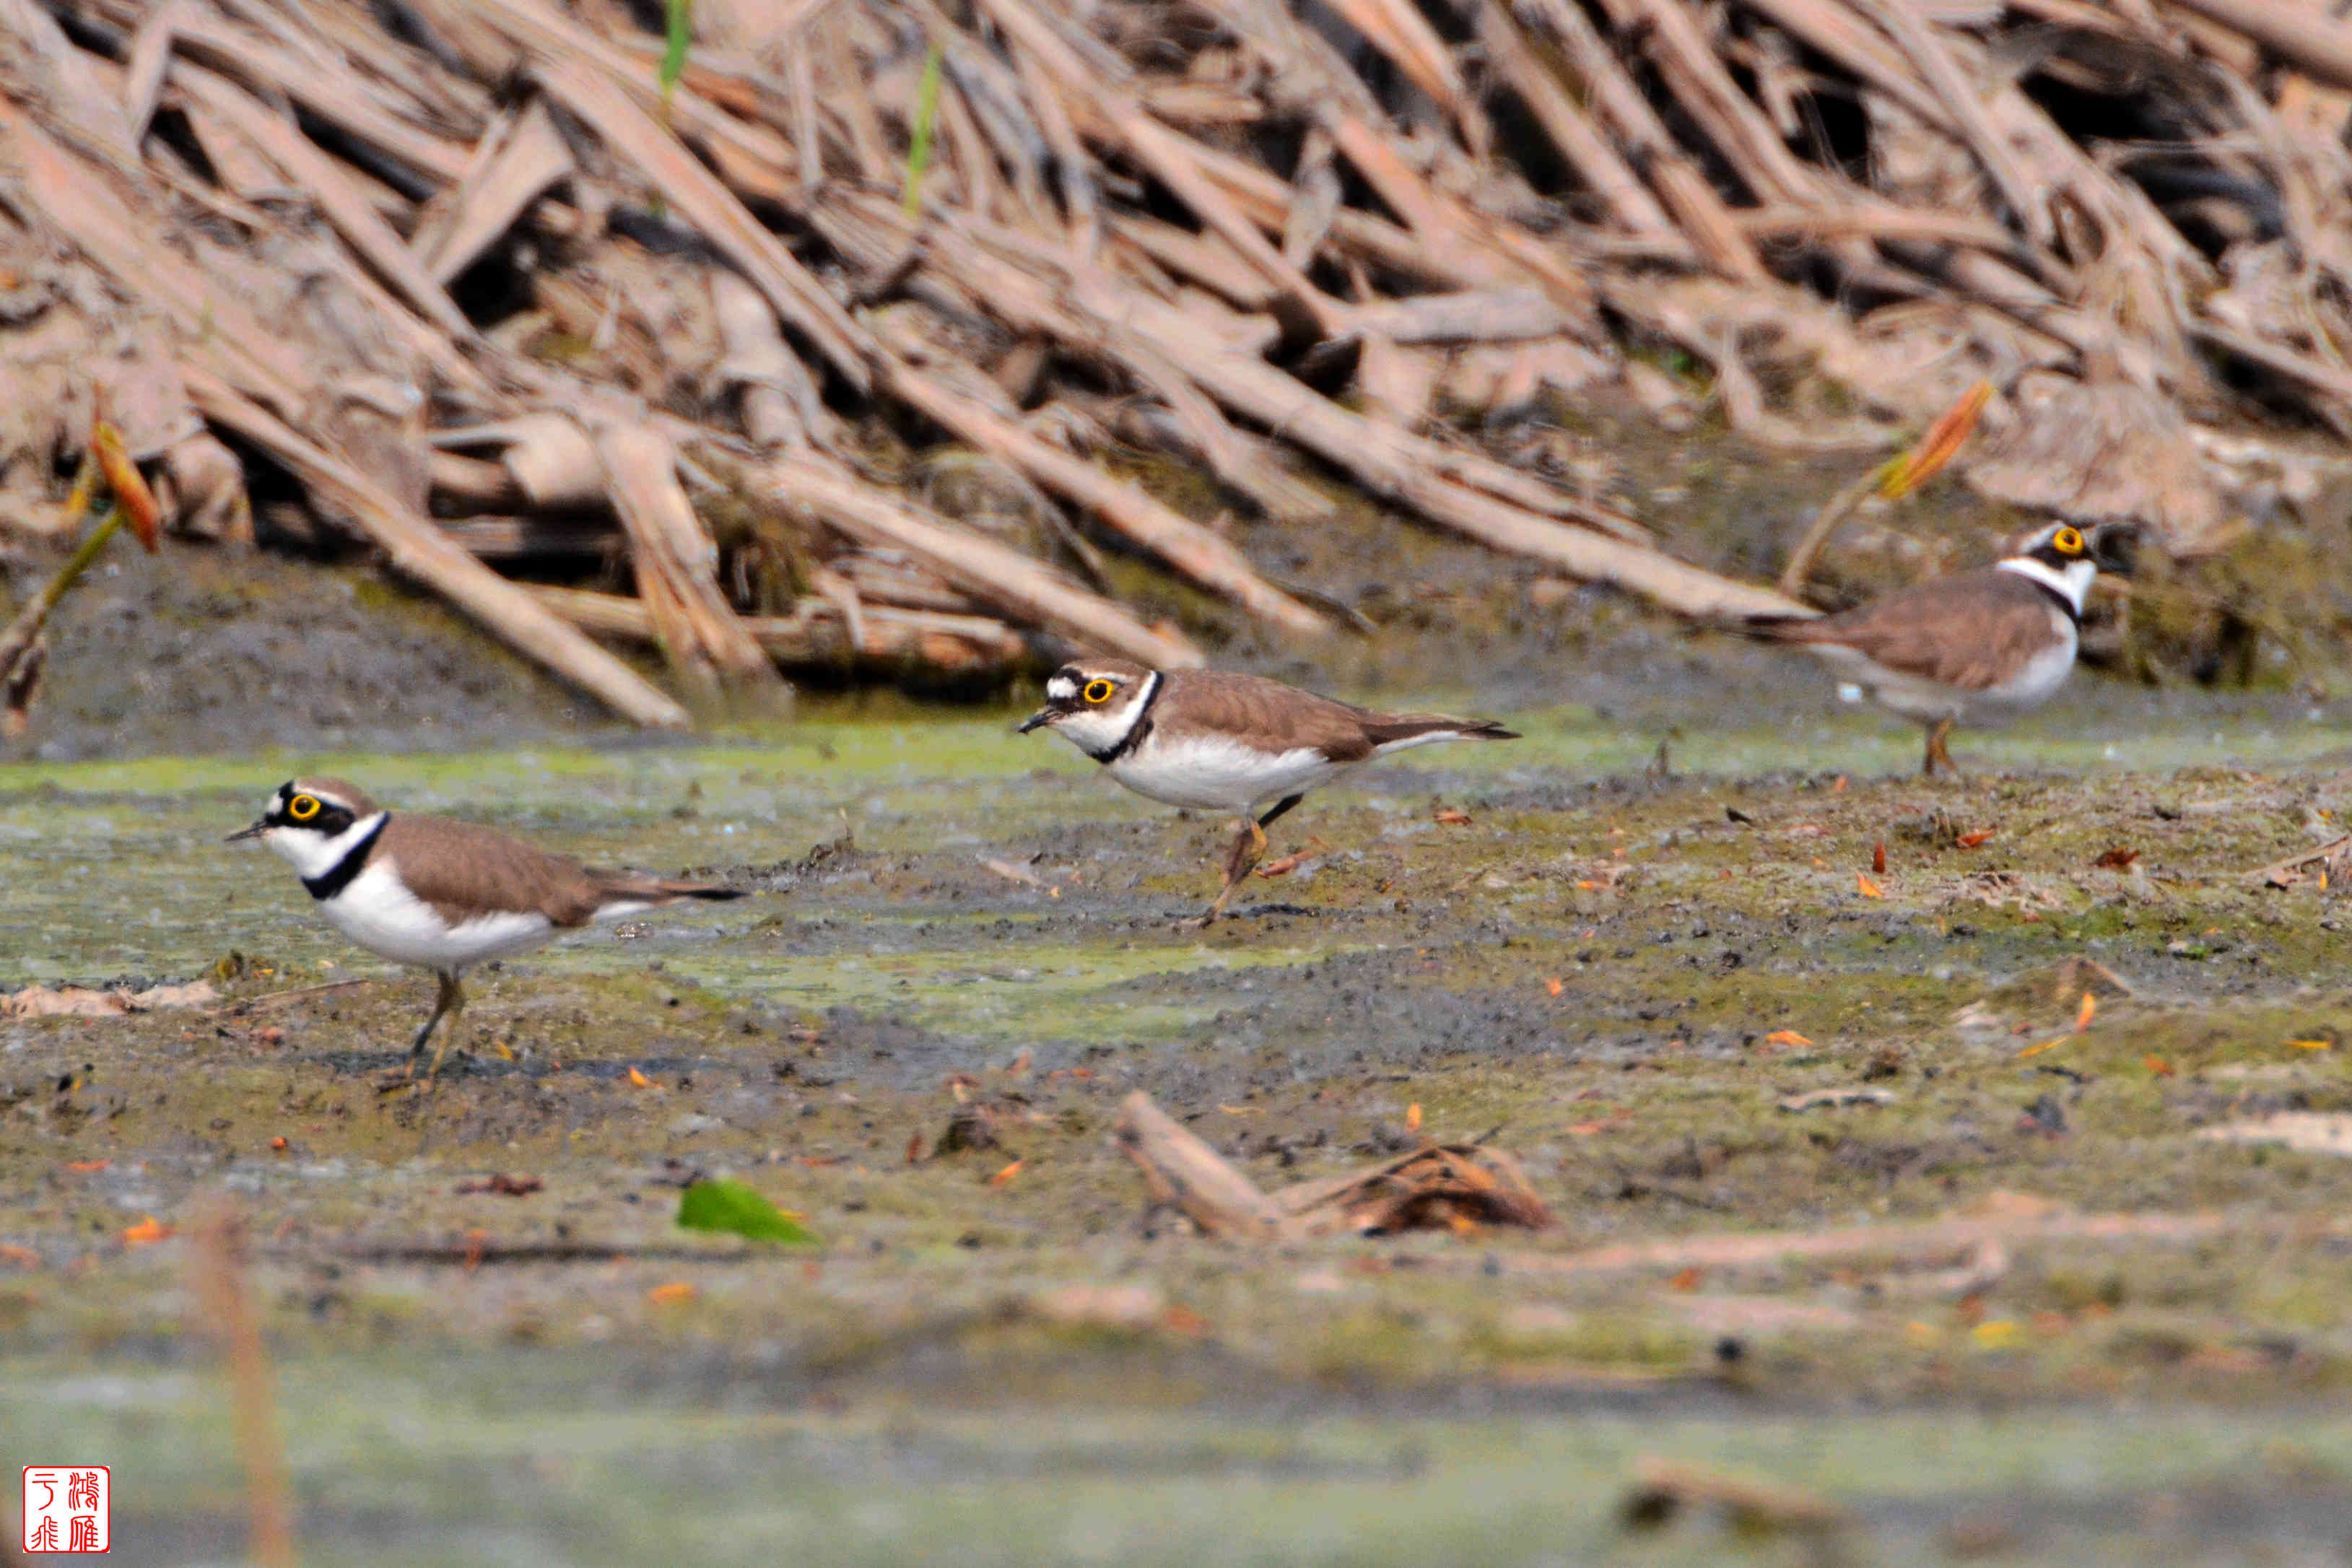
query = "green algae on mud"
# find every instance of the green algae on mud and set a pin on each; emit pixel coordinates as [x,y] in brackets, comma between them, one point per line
[1596,964]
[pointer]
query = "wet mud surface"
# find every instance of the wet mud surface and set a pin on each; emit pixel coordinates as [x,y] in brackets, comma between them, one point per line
[964,952]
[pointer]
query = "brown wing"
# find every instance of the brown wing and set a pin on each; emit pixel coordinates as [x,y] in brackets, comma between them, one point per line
[1280,717]
[1969,630]
[462,869]
[1286,717]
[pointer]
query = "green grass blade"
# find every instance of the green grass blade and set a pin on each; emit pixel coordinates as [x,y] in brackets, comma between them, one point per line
[919,142]
[679,43]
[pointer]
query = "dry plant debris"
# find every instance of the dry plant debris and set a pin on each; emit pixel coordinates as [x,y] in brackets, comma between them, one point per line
[501,301]
[1437,1186]
[83,1001]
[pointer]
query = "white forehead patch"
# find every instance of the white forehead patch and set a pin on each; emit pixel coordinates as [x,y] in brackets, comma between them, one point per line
[1061,689]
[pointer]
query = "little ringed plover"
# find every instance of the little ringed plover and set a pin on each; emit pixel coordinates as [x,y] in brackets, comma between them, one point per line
[1982,646]
[441,894]
[1221,741]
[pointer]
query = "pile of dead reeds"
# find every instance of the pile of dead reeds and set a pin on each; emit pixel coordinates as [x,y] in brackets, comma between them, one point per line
[828,332]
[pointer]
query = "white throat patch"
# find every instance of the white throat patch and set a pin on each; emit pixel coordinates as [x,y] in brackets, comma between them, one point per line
[2072,584]
[1095,731]
[313,855]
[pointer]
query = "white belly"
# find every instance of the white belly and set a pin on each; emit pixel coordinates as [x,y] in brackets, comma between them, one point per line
[1213,773]
[382,916]
[1931,702]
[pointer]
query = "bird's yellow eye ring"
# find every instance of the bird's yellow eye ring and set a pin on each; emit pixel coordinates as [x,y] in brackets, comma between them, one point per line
[303,808]
[2067,542]
[1098,691]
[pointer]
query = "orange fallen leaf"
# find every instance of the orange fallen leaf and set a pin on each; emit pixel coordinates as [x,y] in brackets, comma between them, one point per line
[146,1232]
[1451,818]
[1004,1177]
[1184,1322]
[677,1293]
[1837,784]
[1786,1037]
[2044,1046]
[2086,1012]
[1866,887]
[1413,1117]
[1971,839]
[640,1080]
[1554,985]
[278,1143]
[129,487]
[1588,885]
[474,1242]
[1686,1280]
[2158,1065]
[1936,444]
[87,1166]
[2312,1045]
[1878,859]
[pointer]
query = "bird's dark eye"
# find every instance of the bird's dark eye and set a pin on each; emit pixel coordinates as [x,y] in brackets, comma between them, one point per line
[1098,691]
[2067,542]
[303,808]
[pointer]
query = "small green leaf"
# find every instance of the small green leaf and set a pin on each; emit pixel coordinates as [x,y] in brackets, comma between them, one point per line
[740,1209]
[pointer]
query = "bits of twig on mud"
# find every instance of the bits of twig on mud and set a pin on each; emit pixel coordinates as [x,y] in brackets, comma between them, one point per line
[1013,872]
[1664,1488]
[1834,1098]
[2306,1132]
[1435,1186]
[2331,862]
[80,1002]
[505,1183]
[2117,859]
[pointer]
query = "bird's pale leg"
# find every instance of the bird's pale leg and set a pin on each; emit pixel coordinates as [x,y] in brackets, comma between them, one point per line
[449,1003]
[1938,752]
[1249,848]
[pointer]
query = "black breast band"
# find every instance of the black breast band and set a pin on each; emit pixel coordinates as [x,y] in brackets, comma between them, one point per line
[339,875]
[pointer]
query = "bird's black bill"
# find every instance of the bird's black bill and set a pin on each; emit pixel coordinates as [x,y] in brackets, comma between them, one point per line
[1043,716]
[256,831]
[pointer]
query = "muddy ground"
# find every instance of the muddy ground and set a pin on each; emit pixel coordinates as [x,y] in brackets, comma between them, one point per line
[1608,970]
[2041,1314]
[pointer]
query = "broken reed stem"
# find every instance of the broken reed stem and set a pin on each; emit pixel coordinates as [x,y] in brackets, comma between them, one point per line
[35,614]
[217,1274]
[1834,512]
